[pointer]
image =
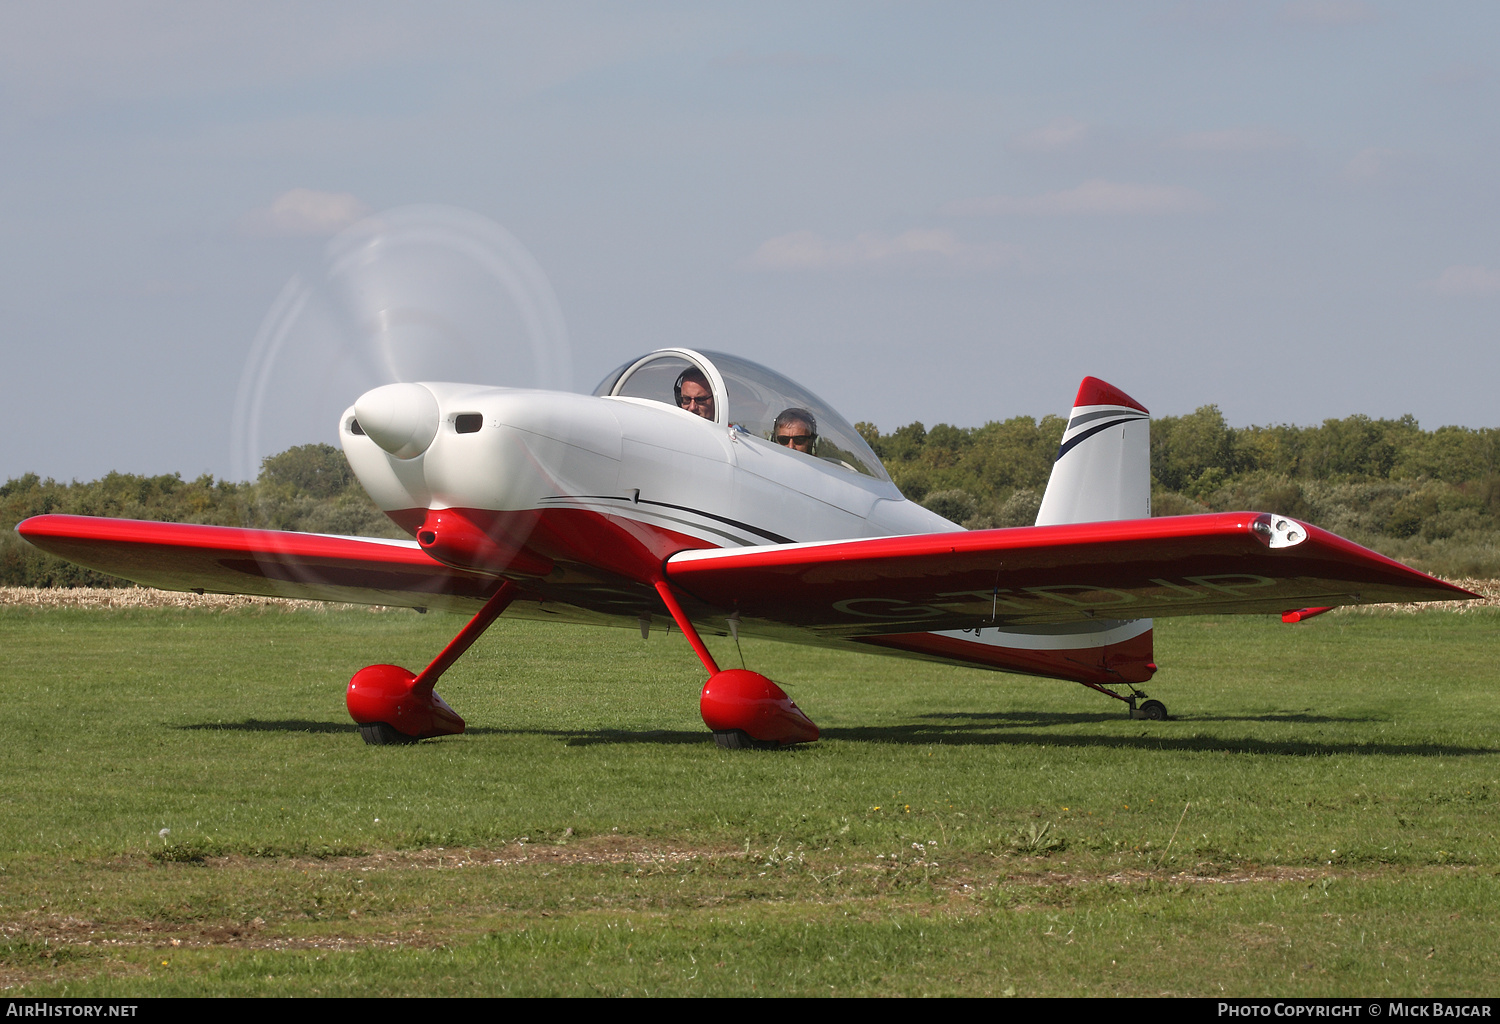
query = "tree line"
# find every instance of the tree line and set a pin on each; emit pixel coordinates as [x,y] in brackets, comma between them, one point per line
[309,488]
[1428,497]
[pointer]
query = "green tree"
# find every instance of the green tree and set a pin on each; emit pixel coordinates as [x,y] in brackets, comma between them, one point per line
[316,470]
[1356,446]
[1185,448]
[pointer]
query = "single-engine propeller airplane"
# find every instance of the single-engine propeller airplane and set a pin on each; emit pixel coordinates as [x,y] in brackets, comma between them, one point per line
[700,489]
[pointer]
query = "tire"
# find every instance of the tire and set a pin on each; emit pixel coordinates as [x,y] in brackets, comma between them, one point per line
[739,739]
[379,734]
[1154,710]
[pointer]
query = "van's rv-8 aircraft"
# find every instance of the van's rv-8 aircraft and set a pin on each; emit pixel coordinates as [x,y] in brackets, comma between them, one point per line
[644,506]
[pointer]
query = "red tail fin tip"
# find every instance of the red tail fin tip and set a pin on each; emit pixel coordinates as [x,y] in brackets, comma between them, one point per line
[1094,391]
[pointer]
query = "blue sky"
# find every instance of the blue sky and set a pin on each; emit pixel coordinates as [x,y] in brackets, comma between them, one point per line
[944,212]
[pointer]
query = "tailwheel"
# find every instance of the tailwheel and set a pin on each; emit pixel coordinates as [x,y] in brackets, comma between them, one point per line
[379,734]
[1150,710]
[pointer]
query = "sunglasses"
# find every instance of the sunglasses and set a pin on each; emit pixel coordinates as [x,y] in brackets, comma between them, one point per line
[686,401]
[786,439]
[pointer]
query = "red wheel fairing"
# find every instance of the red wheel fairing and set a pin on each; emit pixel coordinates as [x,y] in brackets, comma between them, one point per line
[737,698]
[386,693]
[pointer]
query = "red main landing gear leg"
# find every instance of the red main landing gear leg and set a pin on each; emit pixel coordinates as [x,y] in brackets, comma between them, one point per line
[391,705]
[743,708]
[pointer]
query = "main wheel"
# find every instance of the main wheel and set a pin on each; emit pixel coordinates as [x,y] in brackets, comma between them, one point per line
[1154,710]
[379,734]
[739,739]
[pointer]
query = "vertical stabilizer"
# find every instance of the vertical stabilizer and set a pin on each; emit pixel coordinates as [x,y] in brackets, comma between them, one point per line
[1102,472]
[1103,467]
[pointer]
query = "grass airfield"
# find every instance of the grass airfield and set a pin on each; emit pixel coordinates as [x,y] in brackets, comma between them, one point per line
[186,810]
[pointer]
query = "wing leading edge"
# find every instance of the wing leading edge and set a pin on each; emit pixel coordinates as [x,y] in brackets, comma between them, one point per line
[1234,562]
[1094,575]
[268,563]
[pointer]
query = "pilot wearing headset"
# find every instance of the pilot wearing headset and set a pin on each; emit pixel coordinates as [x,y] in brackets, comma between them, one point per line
[693,393]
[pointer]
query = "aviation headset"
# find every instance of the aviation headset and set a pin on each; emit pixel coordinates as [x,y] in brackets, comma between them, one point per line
[796,415]
[691,371]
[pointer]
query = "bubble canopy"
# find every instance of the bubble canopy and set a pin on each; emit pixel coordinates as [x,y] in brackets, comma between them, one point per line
[747,396]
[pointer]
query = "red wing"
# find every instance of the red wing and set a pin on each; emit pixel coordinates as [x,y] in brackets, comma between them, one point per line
[1181,565]
[226,560]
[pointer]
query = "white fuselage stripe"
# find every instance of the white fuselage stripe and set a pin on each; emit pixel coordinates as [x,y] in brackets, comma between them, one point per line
[992,636]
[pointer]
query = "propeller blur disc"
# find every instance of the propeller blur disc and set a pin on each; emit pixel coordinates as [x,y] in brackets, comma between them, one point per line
[416,293]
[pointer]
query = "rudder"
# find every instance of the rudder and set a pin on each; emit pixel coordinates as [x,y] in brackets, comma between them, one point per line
[1103,466]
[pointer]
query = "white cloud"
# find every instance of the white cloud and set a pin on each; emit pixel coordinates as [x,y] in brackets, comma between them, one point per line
[1467,281]
[917,248]
[1060,134]
[1234,140]
[1095,197]
[304,212]
[1328,12]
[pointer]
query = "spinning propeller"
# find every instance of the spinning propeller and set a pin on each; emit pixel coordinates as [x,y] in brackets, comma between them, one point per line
[418,293]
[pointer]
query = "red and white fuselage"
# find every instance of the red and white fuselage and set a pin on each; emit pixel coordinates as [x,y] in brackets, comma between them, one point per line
[584,498]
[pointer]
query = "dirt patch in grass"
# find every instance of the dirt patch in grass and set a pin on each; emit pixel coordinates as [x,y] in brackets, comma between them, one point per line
[1140,877]
[42,946]
[591,850]
[146,597]
[52,939]
[38,944]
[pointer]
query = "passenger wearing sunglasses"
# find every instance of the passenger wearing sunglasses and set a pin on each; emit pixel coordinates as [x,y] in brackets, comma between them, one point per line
[795,428]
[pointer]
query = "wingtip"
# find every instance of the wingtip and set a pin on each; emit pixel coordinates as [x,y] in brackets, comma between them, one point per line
[34,526]
[1093,391]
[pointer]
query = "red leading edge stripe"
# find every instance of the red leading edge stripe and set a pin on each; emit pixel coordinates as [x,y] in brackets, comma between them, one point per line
[231,560]
[52,532]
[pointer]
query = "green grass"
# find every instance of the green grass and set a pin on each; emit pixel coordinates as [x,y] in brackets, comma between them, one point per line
[1321,816]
